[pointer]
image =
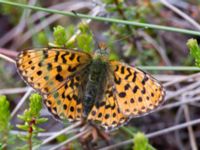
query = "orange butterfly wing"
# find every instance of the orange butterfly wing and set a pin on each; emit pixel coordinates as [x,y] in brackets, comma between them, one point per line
[59,75]
[106,112]
[66,102]
[129,92]
[47,69]
[138,93]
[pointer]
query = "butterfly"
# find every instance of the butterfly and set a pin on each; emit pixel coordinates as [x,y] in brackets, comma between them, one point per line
[76,85]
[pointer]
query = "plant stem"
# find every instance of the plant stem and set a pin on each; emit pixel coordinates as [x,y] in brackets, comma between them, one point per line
[30,141]
[169,68]
[30,133]
[112,20]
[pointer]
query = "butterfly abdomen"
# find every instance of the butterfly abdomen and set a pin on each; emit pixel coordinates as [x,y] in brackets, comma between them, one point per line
[95,84]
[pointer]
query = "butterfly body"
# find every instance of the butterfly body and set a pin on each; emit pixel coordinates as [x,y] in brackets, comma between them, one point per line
[77,85]
[96,82]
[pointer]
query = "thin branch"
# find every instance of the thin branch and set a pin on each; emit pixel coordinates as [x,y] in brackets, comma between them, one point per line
[7,58]
[111,20]
[170,68]
[178,116]
[190,129]
[8,52]
[182,14]
[13,90]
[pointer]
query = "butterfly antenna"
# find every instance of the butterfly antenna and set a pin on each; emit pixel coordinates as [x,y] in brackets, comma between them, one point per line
[120,39]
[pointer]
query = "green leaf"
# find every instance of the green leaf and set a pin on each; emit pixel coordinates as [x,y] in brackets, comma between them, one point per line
[40,129]
[22,117]
[23,137]
[41,120]
[23,127]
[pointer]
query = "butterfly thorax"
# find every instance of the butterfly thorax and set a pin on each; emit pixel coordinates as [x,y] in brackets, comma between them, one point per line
[95,84]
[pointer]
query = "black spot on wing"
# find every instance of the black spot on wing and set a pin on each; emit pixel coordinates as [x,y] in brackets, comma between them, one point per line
[117,81]
[122,94]
[129,73]
[72,56]
[134,76]
[59,78]
[145,79]
[63,57]
[122,69]
[56,57]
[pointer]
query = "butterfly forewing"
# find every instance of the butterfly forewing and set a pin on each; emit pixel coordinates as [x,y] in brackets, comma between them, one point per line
[137,92]
[47,69]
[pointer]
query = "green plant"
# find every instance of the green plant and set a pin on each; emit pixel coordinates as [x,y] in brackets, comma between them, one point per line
[4,122]
[32,119]
[194,50]
[63,38]
[85,39]
[141,142]
[60,37]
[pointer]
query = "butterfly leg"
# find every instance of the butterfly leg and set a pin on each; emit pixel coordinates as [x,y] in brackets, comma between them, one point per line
[94,134]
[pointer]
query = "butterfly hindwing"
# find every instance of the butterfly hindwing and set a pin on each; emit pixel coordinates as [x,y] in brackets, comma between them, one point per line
[47,69]
[138,93]
[106,111]
[66,102]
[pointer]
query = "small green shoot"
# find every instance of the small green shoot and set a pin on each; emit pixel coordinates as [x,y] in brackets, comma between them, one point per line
[60,37]
[141,142]
[32,119]
[194,50]
[85,40]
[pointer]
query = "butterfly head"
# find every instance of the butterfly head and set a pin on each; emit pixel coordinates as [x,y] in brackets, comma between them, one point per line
[102,51]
